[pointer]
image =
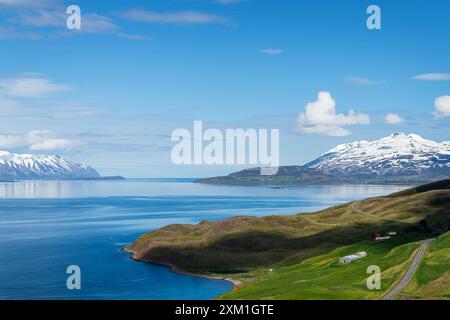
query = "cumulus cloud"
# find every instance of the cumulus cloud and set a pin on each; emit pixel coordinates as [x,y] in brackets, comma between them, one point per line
[432,77]
[178,17]
[442,106]
[361,80]
[320,117]
[271,51]
[31,87]
[393,118]
[37,140]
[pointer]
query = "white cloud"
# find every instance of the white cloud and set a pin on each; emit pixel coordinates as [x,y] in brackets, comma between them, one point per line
[31,87]
[360,80]
[42,18]
[27,3]
[179,17]
[271,51]
[432,77]
[54,144]
[37,140]
[442,106]
[91,23]
[393,118]
[332,131]
[94,23]
[320,117]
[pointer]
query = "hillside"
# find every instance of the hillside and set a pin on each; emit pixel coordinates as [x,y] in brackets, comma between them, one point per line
[287,175]
[243,247]
[432,279]
[323,277]
[396,159]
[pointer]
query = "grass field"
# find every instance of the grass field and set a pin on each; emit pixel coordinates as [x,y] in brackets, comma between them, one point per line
[323,277]
[432,279]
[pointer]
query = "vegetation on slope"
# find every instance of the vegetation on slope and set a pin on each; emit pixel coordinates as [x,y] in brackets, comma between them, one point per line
[300,175]
[323,277]
[245,248]
[286,175]
[432,279]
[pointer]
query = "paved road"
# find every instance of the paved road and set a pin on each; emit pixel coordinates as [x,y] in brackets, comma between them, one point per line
[359,211]
[412,268]
[410,273]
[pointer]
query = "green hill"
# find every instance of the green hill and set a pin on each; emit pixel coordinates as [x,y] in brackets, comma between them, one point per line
[432,279]
[323,277]
[286,175]
[244,248]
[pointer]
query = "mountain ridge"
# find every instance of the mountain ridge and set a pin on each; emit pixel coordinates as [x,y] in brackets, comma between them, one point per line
[395,155]
[15,166]
[398,158]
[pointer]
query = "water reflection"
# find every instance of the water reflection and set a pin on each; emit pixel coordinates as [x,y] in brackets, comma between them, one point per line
[150,187]
[44,189]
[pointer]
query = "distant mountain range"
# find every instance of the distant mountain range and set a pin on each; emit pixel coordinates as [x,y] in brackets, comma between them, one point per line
[32,167]
[287,175]
[398,158]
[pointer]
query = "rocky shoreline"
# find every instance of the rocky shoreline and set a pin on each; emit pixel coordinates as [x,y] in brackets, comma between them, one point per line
[175,269]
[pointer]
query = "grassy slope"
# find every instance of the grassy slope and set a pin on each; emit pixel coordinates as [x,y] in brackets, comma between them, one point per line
[432,279]
[286,175]
[323,277]
[245,247]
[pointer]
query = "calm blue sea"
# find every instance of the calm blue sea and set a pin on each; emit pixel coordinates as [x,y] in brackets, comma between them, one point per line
[48,225]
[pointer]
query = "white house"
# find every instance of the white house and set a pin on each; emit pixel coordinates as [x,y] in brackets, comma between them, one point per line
[353,257]
[348,259]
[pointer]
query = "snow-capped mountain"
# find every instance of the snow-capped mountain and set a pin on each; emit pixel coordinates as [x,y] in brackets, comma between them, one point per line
[398,155]
[28,167]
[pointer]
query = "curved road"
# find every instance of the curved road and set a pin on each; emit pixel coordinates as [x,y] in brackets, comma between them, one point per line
[409,274]
[412,268]
[359,211]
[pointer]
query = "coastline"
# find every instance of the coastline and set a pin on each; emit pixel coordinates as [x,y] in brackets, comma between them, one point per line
[173,268]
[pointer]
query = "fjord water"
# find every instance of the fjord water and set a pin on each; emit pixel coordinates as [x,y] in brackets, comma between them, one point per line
[46,226]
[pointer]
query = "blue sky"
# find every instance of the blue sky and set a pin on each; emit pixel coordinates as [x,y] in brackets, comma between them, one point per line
[111,94]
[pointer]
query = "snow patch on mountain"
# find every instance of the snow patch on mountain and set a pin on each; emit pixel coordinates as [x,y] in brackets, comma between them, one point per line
[26,166]
[395,155]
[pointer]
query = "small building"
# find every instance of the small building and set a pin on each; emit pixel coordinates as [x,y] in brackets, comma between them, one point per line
[348,259]
[378,237]
[353,257]
[362,254]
